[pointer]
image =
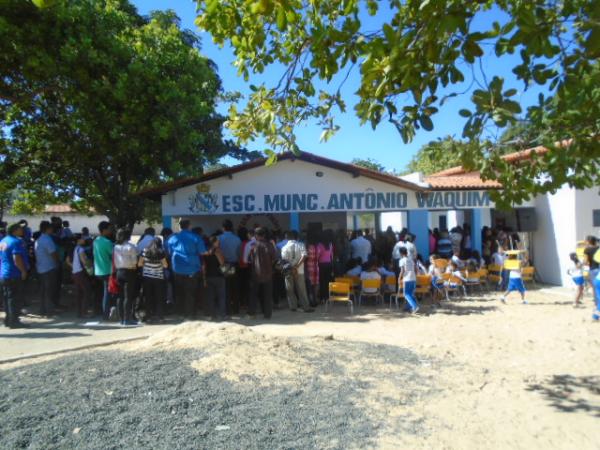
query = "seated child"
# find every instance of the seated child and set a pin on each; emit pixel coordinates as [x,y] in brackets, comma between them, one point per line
[436,277]
[371,273]
[476,259]
[455,273]
[472,272]
[457,261]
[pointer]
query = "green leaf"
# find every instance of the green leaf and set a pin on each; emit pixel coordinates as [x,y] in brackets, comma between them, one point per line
[465,113]
[426,122]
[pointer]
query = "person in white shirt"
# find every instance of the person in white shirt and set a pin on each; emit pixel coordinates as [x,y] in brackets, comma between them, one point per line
[126,258]
[360,248]
[515,283]
[456,260]
[371,274]
[294,252]
[396,253]
[437,283]
[409,278]
[576,273]
[410,247]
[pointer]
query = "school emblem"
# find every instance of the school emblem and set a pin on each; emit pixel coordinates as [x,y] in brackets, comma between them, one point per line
[203,201]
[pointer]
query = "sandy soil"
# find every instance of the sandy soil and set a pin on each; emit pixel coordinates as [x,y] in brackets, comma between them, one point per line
[493,375]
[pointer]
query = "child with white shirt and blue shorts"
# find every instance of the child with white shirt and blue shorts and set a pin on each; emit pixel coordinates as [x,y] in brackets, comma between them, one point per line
[515,282]
[576,273]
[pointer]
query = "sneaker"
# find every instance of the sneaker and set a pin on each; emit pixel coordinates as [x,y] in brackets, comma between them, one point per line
[19,325]
[416,310]
[525,302]
[309,310]
[131,323]
[503,300]
[112,315]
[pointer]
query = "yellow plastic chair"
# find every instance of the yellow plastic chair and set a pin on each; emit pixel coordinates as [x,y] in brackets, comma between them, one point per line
[374,285]
[483,277]
[441,263]
[340,292]
[423,285]
[355,283]
[389,286]
[347,280]
[453,284]
[528,274]
[495,273]
[473,280]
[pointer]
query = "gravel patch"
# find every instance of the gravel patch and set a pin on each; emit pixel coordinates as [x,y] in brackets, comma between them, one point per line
[278,393]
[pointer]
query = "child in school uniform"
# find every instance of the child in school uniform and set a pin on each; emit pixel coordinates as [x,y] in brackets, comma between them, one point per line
[576,273]
[515,282]
[371,272]
[437,283]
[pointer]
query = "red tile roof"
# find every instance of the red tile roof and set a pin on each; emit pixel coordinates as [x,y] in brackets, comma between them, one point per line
[522,155]
[471,180]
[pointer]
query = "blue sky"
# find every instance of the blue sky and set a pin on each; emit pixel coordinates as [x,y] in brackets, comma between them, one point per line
[353,141]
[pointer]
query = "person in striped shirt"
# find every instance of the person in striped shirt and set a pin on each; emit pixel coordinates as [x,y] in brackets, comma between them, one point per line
[153,263]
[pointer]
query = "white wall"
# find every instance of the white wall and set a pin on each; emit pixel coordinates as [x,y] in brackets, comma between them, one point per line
[396,220]
[555,237]
[76,222]
[586,200]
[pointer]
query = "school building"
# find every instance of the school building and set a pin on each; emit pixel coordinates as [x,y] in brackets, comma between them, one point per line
[308,191]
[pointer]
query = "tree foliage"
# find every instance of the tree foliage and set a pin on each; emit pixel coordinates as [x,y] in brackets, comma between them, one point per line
[97,102]
[420,54]
[369,163]
[436,156]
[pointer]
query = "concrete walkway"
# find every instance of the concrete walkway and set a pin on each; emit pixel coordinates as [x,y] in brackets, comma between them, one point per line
[65,334]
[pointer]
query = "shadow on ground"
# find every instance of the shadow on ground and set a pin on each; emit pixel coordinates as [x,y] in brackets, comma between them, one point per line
[156,400]
[569,393]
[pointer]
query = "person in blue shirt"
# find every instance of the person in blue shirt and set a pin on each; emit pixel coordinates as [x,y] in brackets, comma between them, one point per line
[12,274]
[185,249]
[46,257]
[231,246]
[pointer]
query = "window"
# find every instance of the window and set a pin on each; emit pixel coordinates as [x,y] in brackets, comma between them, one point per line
[596,217]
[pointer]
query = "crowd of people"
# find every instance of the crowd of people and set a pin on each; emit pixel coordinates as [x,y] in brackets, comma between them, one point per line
[228,272]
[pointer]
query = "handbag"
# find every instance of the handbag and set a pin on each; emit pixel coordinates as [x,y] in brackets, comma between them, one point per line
[228,270]
[113,283]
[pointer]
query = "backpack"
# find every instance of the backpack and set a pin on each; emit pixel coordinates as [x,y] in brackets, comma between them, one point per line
[263,259]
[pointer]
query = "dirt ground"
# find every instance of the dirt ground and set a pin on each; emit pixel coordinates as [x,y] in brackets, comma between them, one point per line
[472,374]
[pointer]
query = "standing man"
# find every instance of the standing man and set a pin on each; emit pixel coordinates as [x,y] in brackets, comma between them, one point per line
[360,248]
[12,274]
[185,249]
[46,260]
[231,246]
[103,251]
[262,257]
[294,252]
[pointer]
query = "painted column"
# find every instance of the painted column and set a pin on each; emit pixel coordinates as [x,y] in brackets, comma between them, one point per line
[418,224]
[476,225]
[295,221]
[167,222]
[355,221]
